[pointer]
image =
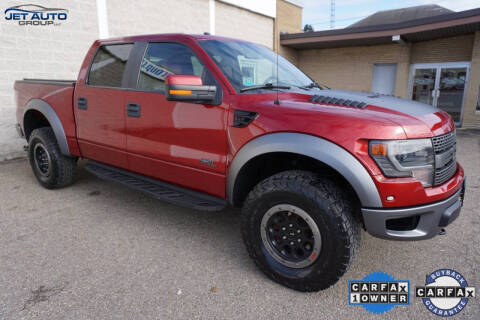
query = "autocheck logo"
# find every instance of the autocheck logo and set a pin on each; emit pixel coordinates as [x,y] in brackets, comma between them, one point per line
[35,15]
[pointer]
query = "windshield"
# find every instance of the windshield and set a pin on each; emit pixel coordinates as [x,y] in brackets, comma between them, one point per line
[250,65]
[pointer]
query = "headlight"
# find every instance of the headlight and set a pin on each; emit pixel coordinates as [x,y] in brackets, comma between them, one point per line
[405,158]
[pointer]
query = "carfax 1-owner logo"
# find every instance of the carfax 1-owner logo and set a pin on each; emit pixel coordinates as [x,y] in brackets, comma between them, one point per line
[446,292]
[378,292]
[35,15]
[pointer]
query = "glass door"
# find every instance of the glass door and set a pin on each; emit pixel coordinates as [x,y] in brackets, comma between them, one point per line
[450,91]
[441,85]
[424,85]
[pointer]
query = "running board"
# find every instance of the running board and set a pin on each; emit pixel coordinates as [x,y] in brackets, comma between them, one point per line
[158,189]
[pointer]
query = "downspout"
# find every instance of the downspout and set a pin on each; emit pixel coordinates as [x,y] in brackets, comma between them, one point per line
[102,19]
[211,11]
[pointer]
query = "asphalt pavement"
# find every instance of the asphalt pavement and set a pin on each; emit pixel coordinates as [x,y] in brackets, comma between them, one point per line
[98,250]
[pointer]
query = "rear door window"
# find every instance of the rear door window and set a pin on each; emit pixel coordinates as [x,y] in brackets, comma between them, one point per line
[109,65]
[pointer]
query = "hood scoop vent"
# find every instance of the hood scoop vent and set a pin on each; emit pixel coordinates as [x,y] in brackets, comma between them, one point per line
[338,101]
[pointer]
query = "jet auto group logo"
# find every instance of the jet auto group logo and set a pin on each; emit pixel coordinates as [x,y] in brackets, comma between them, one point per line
[35,15]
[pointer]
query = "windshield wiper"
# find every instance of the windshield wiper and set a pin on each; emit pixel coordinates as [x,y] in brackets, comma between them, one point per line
[264,86]
[310,86]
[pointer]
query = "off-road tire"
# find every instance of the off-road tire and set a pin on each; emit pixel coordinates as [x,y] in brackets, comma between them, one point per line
[331,211]
[63,168]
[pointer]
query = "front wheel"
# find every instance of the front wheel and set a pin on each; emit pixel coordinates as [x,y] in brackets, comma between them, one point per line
[300,230]
[51,168]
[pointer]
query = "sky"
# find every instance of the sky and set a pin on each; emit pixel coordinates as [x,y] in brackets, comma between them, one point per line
[317,12]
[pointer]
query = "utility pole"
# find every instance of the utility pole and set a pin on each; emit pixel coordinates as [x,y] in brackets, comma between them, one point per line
[332,14]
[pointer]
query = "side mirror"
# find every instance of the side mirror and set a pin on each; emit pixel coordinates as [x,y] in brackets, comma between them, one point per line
[180,87]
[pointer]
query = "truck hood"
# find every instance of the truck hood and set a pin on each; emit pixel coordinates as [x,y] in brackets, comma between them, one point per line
[417,119]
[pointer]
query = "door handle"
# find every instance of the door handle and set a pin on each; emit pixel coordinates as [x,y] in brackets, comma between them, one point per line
[82,103]
[133,110]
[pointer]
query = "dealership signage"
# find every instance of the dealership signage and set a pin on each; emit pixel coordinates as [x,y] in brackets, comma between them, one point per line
[35,15]
[445,292]
[378,292]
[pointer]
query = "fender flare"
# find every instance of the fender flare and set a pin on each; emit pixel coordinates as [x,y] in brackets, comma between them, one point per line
[314,147]
[52,117]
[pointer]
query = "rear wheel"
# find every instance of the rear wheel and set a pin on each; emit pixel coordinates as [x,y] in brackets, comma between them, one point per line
[299,229]
[51,168]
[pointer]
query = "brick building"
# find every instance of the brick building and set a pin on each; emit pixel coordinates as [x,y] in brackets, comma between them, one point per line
[426,53]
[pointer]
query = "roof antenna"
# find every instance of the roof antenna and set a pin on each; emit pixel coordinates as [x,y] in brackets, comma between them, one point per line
[277,101]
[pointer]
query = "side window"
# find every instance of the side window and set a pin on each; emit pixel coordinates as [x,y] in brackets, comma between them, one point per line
[163,59]
[108,65]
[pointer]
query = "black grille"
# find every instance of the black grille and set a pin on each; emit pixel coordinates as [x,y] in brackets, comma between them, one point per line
[444,143]
[445,146]
[443,174]
[243,118]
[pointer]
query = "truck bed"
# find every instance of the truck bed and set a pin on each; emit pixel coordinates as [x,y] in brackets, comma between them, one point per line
[57,93]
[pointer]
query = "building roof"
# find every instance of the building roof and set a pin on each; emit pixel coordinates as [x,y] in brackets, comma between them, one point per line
[401,15]
[428,28]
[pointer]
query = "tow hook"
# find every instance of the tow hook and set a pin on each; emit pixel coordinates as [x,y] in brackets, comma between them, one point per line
[25,148]
[442,232]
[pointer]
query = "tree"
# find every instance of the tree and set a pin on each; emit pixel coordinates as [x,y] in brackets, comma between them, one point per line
[308,28]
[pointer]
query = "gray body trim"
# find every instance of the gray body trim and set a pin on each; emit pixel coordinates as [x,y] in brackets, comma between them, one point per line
[432,218]
[50,114]
[317,148]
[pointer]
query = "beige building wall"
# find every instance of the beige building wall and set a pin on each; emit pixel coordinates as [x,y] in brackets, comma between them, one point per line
[57,52]
[152,16]
[403,71]
[187,16]
[460,48]
[351,68]
[471,117]
[443,50]
[235,22]
[54,52]
[289,19]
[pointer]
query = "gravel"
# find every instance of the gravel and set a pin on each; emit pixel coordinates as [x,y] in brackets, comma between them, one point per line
[99,250]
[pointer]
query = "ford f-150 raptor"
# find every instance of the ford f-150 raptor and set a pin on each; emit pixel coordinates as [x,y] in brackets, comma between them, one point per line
[205,122]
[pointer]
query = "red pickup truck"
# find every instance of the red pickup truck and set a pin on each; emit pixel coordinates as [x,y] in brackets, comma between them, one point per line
[205,122]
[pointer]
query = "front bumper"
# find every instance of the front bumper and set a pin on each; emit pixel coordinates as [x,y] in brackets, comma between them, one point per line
[426,221]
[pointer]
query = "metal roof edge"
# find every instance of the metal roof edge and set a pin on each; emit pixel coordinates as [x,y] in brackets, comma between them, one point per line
[385,27]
